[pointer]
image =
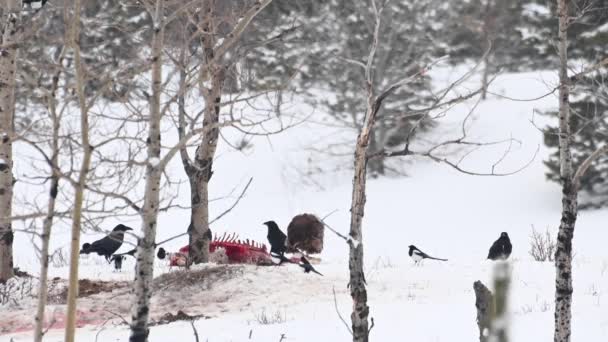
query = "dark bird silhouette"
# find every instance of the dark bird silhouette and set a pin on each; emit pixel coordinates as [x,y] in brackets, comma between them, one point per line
[161,254]
[108,245]
[501,248]
[307,266]
[276,238]
[418,255]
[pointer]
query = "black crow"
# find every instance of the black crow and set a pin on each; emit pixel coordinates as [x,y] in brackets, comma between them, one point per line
[501,248]
[109,244]
[307,266]
[418,255]
[276,238]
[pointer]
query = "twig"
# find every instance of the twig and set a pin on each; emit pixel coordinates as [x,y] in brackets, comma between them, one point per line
[194,331]
[340,315]
[371,326]
[326,216]
[117,315]
[235,202]
[215,219]
[103,327]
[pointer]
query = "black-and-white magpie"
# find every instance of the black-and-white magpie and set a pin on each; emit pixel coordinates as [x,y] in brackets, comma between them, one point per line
[305,264]
[418,255]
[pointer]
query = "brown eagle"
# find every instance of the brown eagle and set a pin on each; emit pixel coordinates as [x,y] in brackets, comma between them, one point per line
[305,233]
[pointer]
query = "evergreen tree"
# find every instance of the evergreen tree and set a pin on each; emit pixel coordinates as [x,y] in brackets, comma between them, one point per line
[111,43]
[589,104]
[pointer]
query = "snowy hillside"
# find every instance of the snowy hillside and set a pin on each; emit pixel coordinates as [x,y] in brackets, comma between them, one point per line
[442,211]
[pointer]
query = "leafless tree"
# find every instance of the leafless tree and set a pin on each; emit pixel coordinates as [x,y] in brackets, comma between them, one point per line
[219,27]
[82,176]
[144,268]
[10,26]
[570,178]
[357,285]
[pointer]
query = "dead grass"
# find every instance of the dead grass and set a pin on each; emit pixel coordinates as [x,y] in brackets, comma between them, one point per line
[204,277]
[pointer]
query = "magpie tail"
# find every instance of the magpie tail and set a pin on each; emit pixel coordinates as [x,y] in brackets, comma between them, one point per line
[430,257]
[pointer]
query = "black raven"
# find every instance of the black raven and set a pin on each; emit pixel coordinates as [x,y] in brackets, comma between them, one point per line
[307,266]
[108,245]
[501,248]
[276,238]
[417,255]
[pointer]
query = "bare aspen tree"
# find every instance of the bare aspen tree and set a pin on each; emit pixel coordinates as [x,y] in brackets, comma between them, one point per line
[360,326]
[213,72]
[144,269]
[11,22]
[74,31]
[570,178]
[50,214]
[563,254]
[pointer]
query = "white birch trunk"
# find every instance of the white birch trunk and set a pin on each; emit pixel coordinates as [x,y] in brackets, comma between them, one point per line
[144,268]
[11,21]
[82,176]
[563,254]
[48,220]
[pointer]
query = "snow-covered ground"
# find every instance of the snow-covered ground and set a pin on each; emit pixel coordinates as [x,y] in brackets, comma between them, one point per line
[445,213]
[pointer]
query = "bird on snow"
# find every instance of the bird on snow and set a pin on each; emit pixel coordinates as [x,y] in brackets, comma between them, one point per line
[307,266]
[108,245]
[276,239]
[418,255]
[501,248]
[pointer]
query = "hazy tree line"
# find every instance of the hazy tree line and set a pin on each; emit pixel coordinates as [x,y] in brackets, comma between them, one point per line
[89,86]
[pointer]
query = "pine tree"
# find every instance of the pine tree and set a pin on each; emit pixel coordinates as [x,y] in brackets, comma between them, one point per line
[111,46]
[589,104]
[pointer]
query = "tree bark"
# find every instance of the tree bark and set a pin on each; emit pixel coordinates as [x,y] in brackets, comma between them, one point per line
[144,268]
[11,21]
[82,176]
[563,254]
[48,220]
[358,292]
[484,303]
[205,153]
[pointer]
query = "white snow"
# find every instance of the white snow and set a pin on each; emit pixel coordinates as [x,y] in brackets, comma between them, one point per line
[154,161]
[449,214]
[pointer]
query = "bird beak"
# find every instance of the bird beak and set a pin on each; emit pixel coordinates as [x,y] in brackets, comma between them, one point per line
[128,228]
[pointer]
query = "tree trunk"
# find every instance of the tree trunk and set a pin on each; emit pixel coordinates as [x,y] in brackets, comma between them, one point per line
[563,254]
[11,21]
[500,319]
[48,220]
[144,268]
[358,292]
[485,77]
[484,303]
[82,177]
[205,153]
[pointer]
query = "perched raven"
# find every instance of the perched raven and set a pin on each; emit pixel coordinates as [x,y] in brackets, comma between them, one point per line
[307,266]
[418,255]
[501,248]
[108,245]
[276,238]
